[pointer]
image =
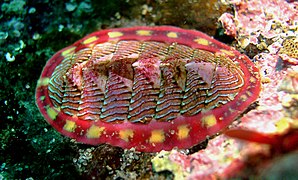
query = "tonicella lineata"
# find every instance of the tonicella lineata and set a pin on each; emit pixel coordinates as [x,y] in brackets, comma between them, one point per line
[148,88]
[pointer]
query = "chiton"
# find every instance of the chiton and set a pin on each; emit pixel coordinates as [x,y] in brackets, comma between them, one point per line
[148,88]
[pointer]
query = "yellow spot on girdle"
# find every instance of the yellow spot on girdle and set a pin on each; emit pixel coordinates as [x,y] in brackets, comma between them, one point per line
[252,80]
[70,126]
[52,113]
[172,35]
[68,51]
[90,40]
[126,134]
[94,131]
[42,98]
[209,121]
[243,97]
[144,33]
[157,136]
[282,125]
[202,41]
[115,34]
[248,93]
[183,132]
[229,53]
[43,81]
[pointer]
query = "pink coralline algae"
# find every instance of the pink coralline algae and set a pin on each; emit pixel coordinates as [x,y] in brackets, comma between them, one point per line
[268,18]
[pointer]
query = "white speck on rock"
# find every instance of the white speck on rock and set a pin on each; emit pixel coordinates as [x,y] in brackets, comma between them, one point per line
[9,57]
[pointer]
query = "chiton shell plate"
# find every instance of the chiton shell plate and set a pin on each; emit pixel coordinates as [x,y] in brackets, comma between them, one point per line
[148,88]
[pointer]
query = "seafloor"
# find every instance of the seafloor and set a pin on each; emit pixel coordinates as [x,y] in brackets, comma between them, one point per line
[32,31]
